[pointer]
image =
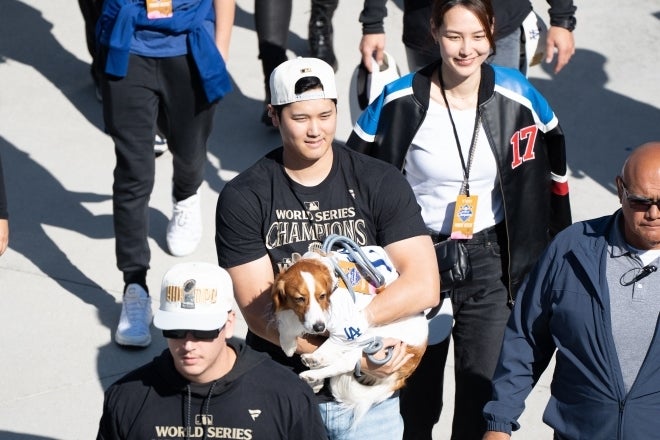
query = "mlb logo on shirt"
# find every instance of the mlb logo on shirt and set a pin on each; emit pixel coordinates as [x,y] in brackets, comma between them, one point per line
[312,206]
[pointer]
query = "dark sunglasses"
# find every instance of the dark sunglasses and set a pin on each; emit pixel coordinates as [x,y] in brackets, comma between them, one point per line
[638,203]
[196,334]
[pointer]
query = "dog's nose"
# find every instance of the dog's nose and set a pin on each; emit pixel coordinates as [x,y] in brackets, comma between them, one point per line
[319,327]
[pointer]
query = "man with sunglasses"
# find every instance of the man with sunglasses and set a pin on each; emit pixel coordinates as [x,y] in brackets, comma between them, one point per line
[207,384]
[593,298]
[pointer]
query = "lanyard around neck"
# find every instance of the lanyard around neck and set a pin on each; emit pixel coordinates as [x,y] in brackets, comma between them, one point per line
[465,187]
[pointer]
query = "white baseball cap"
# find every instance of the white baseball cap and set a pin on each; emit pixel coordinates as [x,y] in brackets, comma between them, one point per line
[285,76]
[194,296]
[535,31]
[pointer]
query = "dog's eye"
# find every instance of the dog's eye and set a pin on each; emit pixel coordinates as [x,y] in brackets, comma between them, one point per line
[323,295]
[300,300]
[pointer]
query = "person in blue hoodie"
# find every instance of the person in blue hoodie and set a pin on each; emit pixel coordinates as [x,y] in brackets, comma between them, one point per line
[159,57]
[592,300]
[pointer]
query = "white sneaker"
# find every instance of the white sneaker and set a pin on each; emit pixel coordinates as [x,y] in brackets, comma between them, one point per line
[133,328]
[160,145]
[184,230]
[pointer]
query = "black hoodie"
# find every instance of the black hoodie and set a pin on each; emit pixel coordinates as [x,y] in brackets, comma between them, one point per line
[257,399]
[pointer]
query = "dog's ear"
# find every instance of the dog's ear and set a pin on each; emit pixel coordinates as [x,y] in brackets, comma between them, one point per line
[277,292]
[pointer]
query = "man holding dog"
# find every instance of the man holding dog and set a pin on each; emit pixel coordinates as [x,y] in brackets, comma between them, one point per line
[593,298]
[293,198]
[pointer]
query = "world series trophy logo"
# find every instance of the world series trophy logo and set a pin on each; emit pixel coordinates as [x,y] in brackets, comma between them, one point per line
[204,419]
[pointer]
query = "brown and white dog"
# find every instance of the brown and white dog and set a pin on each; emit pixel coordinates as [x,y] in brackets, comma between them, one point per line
[305,296]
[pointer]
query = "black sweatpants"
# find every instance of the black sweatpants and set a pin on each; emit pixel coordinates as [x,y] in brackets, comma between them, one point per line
[130,109]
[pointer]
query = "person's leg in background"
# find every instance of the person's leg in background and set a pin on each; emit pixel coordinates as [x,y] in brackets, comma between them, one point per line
[190,122]
[320,36]
[130,108]
[418,59]
[271,20]
[508,52]
[421,397]
[421,49]
[160,139]
[91,11]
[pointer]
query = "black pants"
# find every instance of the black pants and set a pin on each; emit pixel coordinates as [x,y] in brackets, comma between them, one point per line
[91,11]
[130,109]
[271,19]
[480,316]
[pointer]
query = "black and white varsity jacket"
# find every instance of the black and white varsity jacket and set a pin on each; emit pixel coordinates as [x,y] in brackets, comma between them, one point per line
[525,137]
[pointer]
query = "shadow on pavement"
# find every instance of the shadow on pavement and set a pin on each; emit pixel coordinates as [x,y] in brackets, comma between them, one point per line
[8,435]
[37,199]
[601,126]
[26,37]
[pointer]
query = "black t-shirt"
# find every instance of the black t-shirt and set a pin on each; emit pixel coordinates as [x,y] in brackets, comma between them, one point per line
[262,211]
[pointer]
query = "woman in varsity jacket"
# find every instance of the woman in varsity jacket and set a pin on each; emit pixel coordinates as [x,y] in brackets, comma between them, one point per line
[481,137]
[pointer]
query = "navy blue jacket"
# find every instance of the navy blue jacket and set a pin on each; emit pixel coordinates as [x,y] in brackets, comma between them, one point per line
[564,306]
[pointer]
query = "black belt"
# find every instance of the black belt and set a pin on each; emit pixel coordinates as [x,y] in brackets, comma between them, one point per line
[484,236]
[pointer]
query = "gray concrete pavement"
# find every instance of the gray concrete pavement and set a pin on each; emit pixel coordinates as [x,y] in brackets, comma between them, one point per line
[59,286]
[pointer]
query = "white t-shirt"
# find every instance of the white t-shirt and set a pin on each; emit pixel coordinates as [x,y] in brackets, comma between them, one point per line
[433,169]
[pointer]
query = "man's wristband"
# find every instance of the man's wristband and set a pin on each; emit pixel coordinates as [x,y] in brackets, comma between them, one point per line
[564,22]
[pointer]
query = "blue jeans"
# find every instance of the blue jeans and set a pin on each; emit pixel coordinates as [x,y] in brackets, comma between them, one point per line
[383,421]
[480,316]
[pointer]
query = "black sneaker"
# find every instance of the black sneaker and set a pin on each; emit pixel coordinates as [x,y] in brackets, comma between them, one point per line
[320,38]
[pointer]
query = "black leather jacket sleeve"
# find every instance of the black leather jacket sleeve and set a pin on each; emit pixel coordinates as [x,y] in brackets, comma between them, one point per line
[372,16]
